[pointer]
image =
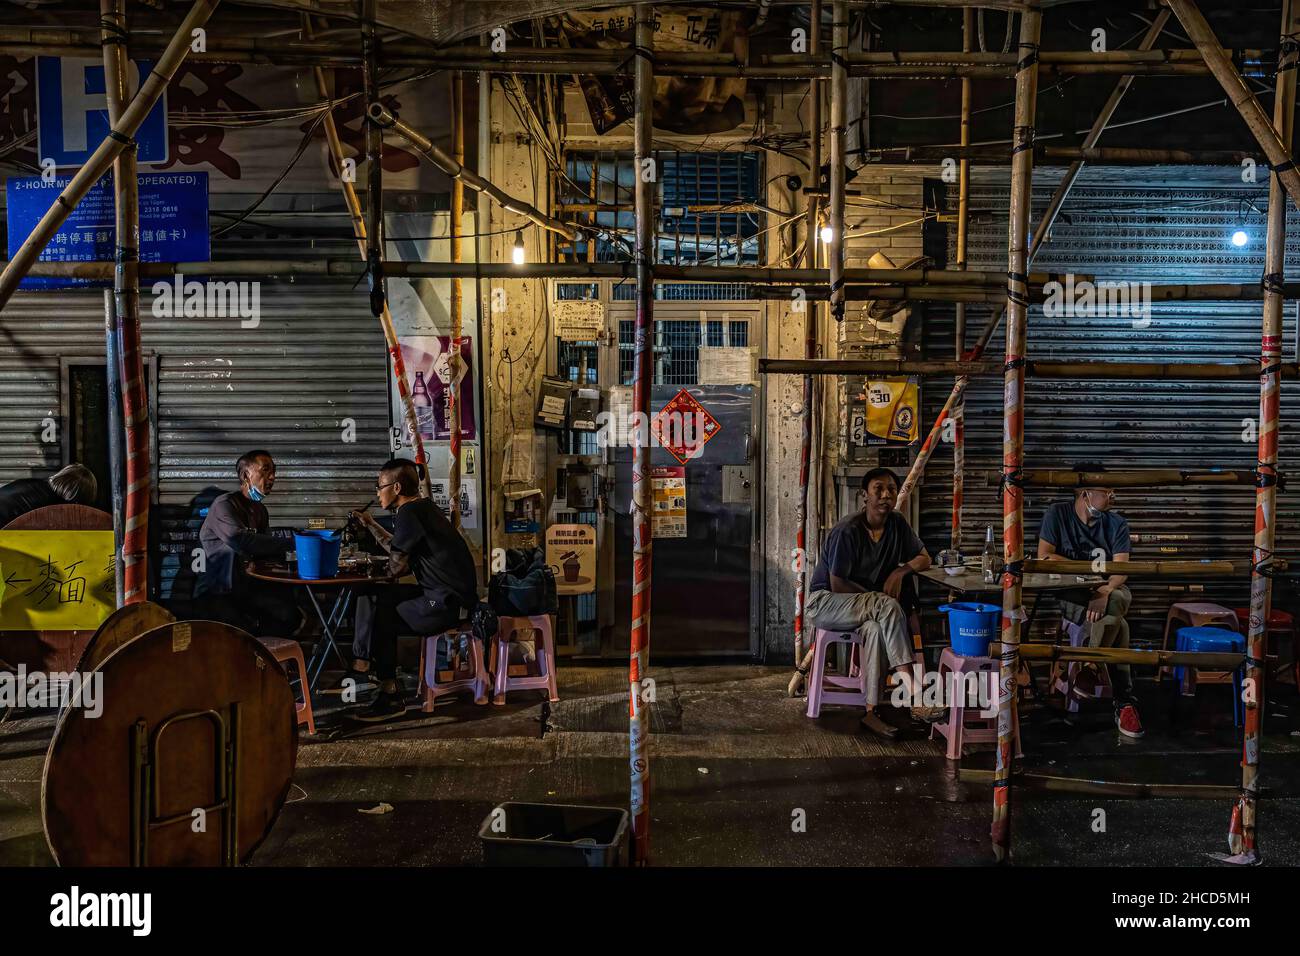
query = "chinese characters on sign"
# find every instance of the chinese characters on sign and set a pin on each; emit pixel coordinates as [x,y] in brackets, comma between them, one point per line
[56,580]
[571,554]
[668,518]
[684,426]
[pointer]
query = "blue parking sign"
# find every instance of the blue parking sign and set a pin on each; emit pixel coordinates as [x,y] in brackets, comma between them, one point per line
[72,111]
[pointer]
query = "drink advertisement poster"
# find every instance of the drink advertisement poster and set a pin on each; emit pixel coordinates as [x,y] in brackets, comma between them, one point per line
[571,554]
[668,517]
[893,409]
[431,367]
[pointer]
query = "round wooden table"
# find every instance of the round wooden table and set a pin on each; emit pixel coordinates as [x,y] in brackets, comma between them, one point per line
[346,582]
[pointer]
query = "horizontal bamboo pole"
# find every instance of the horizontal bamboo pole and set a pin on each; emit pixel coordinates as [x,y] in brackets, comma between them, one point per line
[1111,788]
[1128,478]
[1173,371]
[1157,657]
[381,115]
[1097,155]
[1146,569]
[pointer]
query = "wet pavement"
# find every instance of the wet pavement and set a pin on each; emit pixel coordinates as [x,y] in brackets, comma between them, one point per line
[741,777]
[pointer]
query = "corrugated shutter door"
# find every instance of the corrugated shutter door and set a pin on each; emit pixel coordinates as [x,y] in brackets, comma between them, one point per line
[315,359]
[1125,231]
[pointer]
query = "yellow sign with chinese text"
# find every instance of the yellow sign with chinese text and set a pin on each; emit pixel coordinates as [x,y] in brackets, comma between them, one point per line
[56,580]
[892,408]
[571,553]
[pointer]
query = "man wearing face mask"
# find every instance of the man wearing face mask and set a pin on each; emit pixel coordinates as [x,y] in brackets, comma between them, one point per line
[1083,530]
[235,531]
[858,586]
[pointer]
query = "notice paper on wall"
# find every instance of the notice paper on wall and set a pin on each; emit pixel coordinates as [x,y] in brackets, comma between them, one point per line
[56,580]
[668,514]
[468,500]
[578,321]
[571,554]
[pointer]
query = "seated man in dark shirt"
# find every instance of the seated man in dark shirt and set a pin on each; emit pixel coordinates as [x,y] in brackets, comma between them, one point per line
[425,543]
[236,530]
[857,585]
[74,484]
[1086,529]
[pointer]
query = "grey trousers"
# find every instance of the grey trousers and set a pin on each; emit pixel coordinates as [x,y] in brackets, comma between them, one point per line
[1110,630]
[878,618]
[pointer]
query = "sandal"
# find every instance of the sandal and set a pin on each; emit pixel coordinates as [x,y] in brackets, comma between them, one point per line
[872,722]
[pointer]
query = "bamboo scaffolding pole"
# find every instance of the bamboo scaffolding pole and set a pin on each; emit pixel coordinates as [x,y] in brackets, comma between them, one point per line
[1243,838]
[1013,431]
[1110,788]
[1102,156]
[116,440]
[642,541]
[1246,103]
[957,398]
[1144,569]
[931,441]
[133,559]
[467,177]
[1100,371]
[838,120]
[810,352]
[1130,478]
[119,137]
[1157,657]
[353,203]
[453,394]
[376,229]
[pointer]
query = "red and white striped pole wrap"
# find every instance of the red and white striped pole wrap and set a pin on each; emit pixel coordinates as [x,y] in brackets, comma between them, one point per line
[801,508]
[642,542]
[958,471]
[931,440]
[1013,422]
[1243,840]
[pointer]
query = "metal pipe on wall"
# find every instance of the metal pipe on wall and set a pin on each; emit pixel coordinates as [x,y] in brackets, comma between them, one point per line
[839,93]
[642,503]
[1013,427]
[456,303]
[958,401]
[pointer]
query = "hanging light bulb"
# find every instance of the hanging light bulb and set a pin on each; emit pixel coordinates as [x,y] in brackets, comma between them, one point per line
[517,254]
[827,233]
[1240,238]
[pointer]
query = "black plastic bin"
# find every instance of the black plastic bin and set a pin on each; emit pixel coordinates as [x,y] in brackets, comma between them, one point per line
[554,834]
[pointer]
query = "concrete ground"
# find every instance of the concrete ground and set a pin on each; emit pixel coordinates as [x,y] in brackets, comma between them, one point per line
[734,761]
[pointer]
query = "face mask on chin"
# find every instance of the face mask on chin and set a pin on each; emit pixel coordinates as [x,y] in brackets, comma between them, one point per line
[255,493]
[1092,512]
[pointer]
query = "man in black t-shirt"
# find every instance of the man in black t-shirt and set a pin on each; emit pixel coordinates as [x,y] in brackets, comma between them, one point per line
[858,583]
[425,543]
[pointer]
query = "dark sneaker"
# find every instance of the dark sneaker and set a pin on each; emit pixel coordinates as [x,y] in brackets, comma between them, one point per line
[384,707]
[1128,722]
[361,681]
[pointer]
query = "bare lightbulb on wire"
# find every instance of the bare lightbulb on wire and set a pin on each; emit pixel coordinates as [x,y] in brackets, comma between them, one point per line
[517,254]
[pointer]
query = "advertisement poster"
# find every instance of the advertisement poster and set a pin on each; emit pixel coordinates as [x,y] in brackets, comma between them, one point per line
[668,519]
[892,412]
[571,553]
[468,499]
[429,374]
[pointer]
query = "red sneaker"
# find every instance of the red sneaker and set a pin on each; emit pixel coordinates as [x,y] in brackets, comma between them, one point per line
[1128,722]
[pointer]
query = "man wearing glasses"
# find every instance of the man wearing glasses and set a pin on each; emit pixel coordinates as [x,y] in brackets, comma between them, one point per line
[1086,529]
[423,543]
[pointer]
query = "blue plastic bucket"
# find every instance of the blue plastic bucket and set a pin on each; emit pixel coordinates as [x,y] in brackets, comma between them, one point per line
[318,553]
[971,627]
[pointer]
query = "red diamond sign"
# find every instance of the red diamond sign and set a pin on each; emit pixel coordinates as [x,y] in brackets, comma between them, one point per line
[683,426]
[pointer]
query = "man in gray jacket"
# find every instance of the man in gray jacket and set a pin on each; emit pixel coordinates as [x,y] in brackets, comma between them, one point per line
[236,530]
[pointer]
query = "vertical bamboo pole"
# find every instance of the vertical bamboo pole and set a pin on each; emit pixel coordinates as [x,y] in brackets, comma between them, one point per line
[1013,418]
[1247,104]
[113,37]
[114,144]
[134,559]
[839,93]
[1244,843]
[639,725]
[810,342]
[457,306]
[963,238]
[353,203]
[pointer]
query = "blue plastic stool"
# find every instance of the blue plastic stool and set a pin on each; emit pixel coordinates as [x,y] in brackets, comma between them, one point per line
[1213,640]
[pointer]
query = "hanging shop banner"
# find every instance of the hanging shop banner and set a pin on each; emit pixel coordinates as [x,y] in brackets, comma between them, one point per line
[668,486]
[173,222]
[56,580]
[690,105]
[571,553]
[468,499]
[258,117]
[578,321]
[431,367]
[892,412]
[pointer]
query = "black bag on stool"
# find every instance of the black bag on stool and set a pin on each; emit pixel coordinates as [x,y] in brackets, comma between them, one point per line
[526,587]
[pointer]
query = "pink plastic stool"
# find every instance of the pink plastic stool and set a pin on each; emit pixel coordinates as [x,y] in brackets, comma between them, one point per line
[1078,637]
[963,725]
[849,690]
[545,680]
[430,689]
[283,650]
